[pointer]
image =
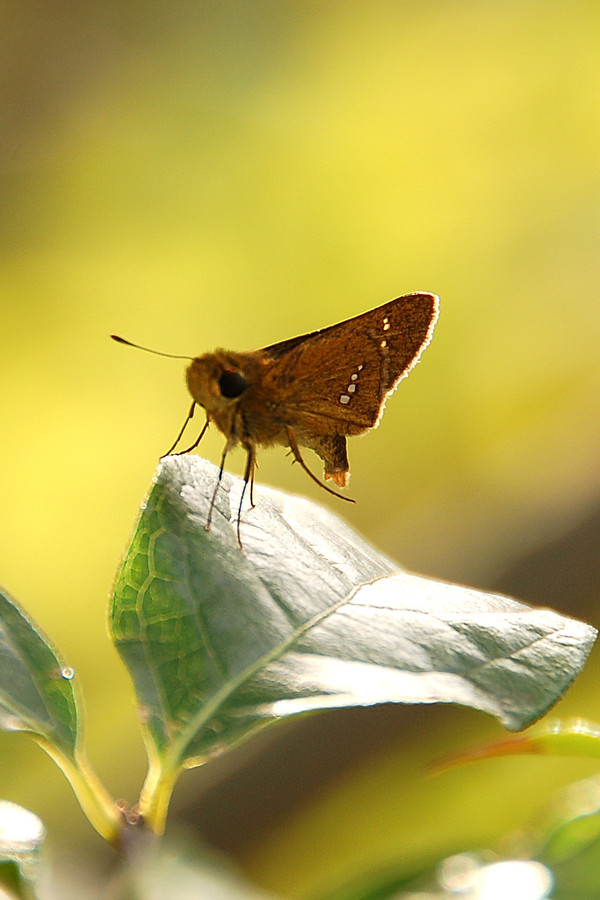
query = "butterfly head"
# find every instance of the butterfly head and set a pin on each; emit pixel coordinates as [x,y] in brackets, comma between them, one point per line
[216,381]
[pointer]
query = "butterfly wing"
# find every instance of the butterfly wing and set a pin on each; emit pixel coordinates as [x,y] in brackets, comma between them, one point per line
[336,380]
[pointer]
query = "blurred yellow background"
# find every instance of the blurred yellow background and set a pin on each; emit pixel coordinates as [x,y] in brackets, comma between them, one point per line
[195,175]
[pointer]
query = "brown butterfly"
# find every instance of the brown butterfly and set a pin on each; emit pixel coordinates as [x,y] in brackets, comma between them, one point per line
[311,391]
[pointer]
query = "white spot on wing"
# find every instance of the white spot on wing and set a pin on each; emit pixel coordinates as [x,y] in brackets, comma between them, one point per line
[351,388]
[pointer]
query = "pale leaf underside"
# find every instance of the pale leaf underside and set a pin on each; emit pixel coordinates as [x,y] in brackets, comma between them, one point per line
[220,641]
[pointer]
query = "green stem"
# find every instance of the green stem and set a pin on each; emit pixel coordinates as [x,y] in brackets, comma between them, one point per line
[155,795]
[93,797]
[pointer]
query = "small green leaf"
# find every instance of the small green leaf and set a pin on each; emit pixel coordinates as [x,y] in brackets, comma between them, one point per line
[36,687]
[21,837]
[575,737]
[220,641]
[37,694]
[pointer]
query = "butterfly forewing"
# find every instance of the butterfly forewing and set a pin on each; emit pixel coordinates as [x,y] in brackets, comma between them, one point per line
[337,379]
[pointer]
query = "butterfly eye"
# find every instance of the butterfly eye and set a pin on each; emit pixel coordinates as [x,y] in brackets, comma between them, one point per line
[232,384]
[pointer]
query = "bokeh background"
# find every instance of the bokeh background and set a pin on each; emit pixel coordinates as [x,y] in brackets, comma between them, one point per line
[193,175]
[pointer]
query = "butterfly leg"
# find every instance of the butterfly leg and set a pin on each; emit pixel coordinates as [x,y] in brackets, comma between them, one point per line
[217,485]
[298,457]
[197,441]
[248,475]
[248,479]
[190,415]
[252,503]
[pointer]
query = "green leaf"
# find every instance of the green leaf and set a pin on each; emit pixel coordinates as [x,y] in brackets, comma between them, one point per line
[575,737]
[36,688]
[37,695]
[220,641]
[21,837]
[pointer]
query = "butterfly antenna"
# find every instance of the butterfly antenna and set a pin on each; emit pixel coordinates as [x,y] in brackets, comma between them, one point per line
[121,340]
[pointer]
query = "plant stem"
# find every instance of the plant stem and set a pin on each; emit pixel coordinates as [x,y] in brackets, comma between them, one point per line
[155,795]
[91,794]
